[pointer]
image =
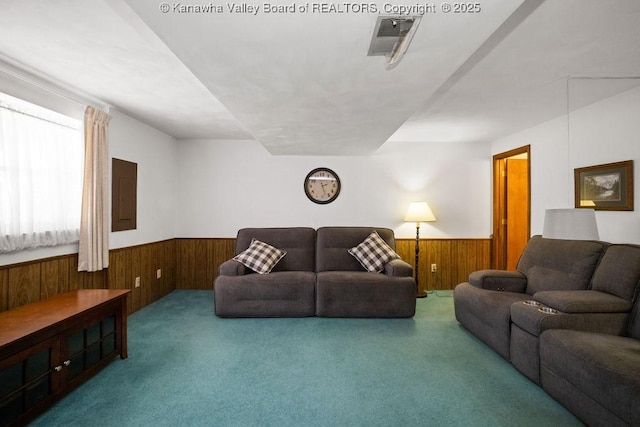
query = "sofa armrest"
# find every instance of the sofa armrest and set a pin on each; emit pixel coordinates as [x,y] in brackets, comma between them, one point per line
[499,280]
[586,301]
[532,320]
[398,268]
[232,267]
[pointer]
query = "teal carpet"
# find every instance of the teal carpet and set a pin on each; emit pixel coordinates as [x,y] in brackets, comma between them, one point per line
[188,367]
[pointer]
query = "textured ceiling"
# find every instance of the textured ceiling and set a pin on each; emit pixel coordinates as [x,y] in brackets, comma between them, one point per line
[301,82]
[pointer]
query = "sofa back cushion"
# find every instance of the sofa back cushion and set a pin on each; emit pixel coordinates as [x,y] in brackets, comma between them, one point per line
[619,272]
[559,265]
[298,242]
[333,244]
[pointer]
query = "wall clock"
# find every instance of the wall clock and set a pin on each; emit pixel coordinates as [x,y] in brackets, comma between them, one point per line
[322,185]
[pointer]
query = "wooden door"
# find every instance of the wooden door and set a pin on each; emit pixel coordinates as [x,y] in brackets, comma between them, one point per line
[499,237]
[511,197]
[517,204]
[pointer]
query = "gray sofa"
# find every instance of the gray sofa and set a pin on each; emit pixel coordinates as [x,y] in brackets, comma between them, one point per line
[317,277]
[583,289]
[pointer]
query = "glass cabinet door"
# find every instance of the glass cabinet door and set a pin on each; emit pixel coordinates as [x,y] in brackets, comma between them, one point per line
[26,379]
[87,346]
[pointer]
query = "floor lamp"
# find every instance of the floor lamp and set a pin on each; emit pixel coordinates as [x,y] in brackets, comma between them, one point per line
[419,212]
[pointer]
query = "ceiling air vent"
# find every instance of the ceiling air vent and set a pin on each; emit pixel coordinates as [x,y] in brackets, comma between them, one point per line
[391,37]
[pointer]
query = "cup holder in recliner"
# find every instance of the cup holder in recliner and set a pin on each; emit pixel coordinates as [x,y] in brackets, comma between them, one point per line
[541,308]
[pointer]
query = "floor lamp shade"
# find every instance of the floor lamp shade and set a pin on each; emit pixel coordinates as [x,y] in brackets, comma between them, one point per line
[419,212]
[573,224]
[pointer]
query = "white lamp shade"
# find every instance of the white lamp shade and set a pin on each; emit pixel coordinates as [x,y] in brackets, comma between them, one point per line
[572,224]
[419,212]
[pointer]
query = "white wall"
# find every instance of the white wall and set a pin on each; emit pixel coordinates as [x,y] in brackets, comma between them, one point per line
[603,132]
[227,185]
[155,153]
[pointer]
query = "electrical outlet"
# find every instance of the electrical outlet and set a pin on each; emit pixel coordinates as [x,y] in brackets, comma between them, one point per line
[158,273]
[434,268]
[138,282]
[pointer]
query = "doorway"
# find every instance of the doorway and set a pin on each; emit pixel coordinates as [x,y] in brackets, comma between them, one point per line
[511,206]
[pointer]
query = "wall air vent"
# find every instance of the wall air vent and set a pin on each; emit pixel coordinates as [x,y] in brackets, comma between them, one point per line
[391,37]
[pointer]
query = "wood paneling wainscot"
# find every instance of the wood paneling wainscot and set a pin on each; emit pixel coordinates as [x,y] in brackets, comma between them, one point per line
[33,281]
[455,259]
[143,261]
[198,260]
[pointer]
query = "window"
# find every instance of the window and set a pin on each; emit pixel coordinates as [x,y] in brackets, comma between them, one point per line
[41,168]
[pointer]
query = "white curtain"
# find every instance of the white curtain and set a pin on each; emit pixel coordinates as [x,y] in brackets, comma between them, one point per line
[40,176]
[94,228]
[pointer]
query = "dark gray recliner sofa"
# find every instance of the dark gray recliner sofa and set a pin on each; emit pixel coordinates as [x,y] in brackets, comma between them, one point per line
[584,350]
[317,276]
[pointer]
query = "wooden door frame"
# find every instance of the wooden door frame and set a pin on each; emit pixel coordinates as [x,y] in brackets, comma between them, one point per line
[499,237]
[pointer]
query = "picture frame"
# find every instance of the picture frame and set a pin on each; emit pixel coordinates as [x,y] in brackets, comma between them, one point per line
[605,187]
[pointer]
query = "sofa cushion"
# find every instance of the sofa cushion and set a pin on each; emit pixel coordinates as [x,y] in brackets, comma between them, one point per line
[364,294]
[556,264]
[373,253]
[298,242]
[279,294]
[333,244]
[619,272]
[260,257]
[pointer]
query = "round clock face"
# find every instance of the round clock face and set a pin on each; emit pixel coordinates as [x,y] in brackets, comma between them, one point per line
[322,185]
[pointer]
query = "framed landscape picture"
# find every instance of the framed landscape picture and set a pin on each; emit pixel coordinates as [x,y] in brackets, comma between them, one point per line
[605,187]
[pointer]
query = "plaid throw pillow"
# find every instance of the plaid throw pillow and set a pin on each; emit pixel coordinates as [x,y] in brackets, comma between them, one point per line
[373,253]
[260,257]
